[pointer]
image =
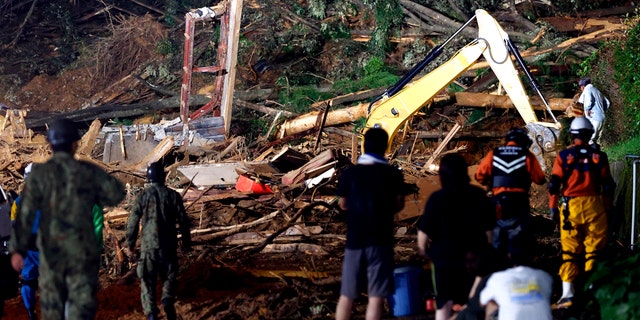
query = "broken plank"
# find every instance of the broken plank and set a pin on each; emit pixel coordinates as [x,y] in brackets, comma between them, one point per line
[218,174]
[88,140]
[427,166]
[158,152]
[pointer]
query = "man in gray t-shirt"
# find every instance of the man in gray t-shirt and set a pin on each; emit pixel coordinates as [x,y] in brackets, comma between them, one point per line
[595,104]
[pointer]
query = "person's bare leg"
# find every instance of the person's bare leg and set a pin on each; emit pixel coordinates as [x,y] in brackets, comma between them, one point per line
[489,309]
[444,313]
[343,310]
[374,308]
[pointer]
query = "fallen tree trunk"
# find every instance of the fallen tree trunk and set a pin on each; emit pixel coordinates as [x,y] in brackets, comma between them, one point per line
[117,111]
[473,99]
[355,96]
[308,120]
[261,108]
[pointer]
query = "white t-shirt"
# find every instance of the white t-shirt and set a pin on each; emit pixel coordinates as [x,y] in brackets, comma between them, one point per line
[522,293]
[593,100]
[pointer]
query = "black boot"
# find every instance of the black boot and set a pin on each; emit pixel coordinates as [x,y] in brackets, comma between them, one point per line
[169,309]
[152,316]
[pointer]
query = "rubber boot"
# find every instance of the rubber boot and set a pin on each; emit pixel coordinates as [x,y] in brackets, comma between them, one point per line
[169,309]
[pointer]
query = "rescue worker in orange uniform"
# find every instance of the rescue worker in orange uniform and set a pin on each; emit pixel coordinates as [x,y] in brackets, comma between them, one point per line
[582,186]
[507,172]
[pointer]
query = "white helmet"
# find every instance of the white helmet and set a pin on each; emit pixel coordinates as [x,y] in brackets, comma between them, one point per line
[27,170]
[581,128]
[579,125]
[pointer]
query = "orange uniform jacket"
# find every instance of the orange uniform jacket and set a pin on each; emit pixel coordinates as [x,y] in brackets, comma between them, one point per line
[484,172]
[580,183]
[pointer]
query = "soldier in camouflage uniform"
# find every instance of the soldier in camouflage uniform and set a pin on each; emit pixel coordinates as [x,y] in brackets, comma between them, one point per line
[64,190]
[159,208]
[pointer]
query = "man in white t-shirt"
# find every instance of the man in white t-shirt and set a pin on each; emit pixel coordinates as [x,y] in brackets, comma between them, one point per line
[520,292]
[595,104]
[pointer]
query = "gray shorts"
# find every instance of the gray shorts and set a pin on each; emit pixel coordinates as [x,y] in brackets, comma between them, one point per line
[371,266]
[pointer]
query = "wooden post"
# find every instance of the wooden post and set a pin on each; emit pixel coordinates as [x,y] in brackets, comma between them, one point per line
[235,15]
[185,89]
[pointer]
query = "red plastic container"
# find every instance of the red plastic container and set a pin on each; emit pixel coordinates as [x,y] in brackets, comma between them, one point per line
[246,184]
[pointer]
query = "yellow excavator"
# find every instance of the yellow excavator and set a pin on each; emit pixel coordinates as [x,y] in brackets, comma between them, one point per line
[399,102]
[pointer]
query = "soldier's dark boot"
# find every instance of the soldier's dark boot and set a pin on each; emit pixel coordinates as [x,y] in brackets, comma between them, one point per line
[152,316]
[169,309]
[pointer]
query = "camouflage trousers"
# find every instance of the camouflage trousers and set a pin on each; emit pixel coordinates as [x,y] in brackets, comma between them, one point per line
[68,287]
[151,265]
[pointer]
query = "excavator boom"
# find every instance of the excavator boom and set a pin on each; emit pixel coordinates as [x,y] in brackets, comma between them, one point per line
[493,43]
[394,111]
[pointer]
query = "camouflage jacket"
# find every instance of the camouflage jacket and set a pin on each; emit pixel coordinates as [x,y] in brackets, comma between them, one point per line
[160,209]
[65,191]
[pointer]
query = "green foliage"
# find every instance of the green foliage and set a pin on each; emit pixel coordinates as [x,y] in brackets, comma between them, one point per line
[417,53]
[298,9]
[374,66]
[388,15]
[170,11]
[345,8]
[377,80]
[317,8]
[166,47]
[297,93]
[59,12]
[124,122]
[627,66]
[161,73]
[468,7]
[257,127]
[250,124]
[359,125]
[335,30]
[618,151]
[616,287]
[376,75]
[298,99]
[582,5]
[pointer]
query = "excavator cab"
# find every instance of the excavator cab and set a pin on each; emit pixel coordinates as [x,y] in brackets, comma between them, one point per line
[398,103]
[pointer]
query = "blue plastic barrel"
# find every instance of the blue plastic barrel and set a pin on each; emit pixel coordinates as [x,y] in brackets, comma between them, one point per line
[407,299]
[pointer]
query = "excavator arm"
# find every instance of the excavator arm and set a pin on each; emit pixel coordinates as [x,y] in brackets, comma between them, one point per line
[404,99]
